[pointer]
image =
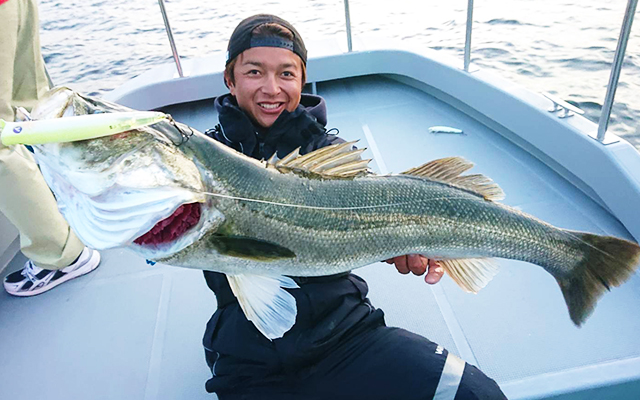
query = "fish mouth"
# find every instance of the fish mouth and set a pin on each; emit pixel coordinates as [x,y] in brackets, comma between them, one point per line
[173,227]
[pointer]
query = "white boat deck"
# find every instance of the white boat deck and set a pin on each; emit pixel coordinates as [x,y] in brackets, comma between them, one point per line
[133,331]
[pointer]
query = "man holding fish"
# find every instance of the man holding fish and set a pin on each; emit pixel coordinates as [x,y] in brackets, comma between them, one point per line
[339,346]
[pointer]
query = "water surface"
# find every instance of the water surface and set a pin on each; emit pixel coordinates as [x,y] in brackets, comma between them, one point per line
[562,47]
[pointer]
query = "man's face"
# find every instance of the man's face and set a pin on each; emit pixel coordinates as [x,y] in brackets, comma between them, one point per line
[268,80]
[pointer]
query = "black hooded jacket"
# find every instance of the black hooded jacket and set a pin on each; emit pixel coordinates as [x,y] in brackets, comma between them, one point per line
[334,344]
[304,128]
[330,308]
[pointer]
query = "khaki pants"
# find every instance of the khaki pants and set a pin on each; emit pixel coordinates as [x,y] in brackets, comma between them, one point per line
[25,198]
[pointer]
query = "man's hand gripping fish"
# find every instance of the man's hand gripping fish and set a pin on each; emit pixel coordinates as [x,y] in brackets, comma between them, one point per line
[175,196]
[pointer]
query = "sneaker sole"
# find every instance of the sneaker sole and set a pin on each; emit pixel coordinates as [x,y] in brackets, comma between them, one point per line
[92,264]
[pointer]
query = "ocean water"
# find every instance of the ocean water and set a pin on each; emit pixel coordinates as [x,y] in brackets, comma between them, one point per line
[562,47]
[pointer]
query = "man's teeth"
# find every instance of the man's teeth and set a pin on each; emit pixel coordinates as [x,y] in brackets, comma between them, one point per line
[269,106]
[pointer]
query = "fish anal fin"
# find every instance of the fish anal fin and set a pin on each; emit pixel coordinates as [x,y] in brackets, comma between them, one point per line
[248,248]
[265,303]
[471,274]
[450,169]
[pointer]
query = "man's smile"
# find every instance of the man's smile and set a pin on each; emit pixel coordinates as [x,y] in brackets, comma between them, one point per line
[270,106]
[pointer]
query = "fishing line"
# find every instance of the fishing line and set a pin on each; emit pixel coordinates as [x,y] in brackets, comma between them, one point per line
[563,231]
[577,238]
[355,208]
[320,207]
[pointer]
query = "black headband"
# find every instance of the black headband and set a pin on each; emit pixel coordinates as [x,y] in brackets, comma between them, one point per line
[241,39]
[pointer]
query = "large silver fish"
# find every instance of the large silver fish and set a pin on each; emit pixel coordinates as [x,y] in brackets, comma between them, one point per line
[175,196]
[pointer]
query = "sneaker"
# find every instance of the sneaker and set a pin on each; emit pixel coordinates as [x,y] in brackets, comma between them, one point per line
[32,280]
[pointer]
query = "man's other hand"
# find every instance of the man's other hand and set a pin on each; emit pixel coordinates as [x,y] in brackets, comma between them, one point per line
[418,265]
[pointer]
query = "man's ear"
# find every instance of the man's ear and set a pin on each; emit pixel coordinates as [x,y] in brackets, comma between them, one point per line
[229,83]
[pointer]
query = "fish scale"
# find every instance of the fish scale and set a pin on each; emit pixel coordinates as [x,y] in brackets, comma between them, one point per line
[318,214]
[326,245]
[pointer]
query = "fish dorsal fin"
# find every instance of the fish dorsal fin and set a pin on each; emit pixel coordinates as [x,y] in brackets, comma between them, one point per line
[480,184]
[450,170]
[294,154]
[265,302]
[471,274]
[273,159]
[335,161]
[443,169]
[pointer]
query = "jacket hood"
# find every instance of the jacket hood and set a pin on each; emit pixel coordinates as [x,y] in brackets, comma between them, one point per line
[304,127]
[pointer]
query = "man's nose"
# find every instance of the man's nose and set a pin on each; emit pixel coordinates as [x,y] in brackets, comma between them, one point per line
[271,85]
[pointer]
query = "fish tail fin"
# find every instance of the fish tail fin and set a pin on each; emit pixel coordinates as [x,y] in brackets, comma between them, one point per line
[607,262]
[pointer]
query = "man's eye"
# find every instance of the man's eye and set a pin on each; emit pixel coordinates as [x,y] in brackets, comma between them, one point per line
[288,74]
[253,72]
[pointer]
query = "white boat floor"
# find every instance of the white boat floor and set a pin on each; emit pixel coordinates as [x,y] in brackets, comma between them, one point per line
[133,331]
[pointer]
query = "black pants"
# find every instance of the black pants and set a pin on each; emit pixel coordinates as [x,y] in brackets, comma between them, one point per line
[385,364]
[335,351]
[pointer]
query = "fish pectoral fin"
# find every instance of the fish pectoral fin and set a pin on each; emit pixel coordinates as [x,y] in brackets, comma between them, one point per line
[265,302]
[249,248]
[471,274]
[449,170]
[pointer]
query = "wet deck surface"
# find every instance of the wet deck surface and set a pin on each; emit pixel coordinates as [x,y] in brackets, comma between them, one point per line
[133,331]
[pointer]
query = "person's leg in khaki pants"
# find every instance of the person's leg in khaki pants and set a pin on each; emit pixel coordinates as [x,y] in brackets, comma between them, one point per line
[25,199]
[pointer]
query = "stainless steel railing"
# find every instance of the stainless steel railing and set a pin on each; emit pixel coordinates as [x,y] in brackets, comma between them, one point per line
[625,31]
[611,87]
[467,40]
[347,20]
[167,27]
[616,68]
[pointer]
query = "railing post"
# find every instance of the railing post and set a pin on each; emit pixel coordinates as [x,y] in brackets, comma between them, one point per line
[46,72]
[467,41]
[348,23]
[176,57]
[616,68]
